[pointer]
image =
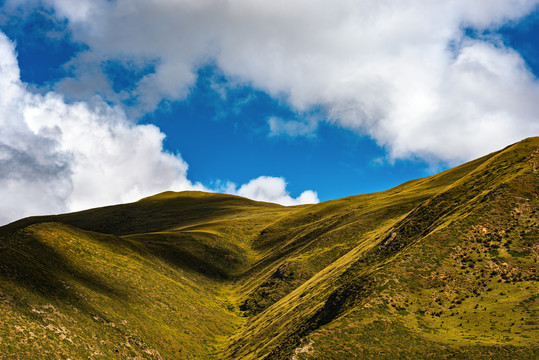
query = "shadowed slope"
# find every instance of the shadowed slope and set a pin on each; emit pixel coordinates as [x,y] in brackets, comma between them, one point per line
[84,294]
[165,211]
[68,293]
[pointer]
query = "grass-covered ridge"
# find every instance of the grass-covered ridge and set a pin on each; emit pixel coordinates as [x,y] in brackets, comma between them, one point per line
[444,266]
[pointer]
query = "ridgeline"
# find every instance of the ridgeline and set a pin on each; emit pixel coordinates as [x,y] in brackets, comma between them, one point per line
[438,267]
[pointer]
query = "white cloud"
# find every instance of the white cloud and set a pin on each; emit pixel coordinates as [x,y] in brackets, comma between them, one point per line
[57,156]
[271,189]
[112,160]
[279,126]
[402,72]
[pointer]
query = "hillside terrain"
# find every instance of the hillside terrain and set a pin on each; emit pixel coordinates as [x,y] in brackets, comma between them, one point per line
[438,267]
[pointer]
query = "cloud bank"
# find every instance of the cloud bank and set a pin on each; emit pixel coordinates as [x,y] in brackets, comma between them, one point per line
[403,72]
[57,156]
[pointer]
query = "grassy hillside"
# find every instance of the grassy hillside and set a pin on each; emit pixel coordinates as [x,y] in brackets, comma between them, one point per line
[66,292]
[444,266]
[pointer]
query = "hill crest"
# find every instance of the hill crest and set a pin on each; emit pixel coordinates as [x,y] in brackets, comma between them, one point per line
[440,266]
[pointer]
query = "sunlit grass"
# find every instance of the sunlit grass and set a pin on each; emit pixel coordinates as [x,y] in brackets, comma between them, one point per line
[444,266]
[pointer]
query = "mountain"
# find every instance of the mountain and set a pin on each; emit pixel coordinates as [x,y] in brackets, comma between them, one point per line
[439,267]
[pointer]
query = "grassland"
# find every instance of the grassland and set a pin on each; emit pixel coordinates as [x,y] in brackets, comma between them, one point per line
[439,267]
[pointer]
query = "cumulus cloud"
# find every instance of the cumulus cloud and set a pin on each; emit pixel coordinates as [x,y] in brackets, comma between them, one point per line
[57,156]
[271,189]
[402,72]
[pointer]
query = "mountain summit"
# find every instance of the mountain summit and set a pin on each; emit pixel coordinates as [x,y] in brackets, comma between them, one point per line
[438,267]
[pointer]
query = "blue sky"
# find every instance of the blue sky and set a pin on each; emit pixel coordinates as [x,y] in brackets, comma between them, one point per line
[333,161]
[264,101]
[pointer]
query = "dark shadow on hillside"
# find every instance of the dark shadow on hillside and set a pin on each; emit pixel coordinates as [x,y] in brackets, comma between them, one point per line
[149,215]
[33,265]
[200,253]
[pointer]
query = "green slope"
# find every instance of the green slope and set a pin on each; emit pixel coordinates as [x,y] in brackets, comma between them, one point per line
[66,292]
[444,266]
[404,286]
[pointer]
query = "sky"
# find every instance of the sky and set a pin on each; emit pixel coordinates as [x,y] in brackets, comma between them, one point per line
[294,102]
